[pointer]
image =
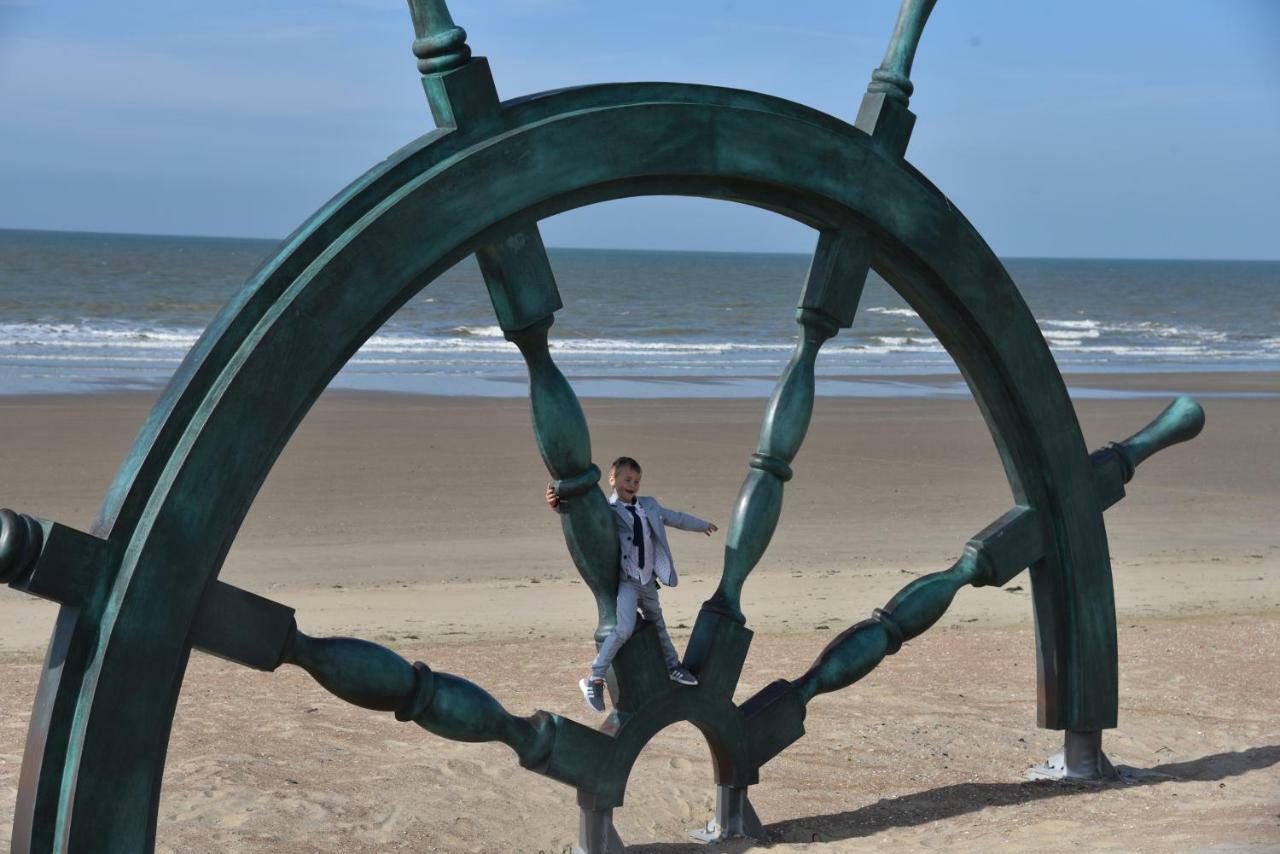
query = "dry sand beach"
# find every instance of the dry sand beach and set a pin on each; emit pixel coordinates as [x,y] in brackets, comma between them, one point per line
[418,522]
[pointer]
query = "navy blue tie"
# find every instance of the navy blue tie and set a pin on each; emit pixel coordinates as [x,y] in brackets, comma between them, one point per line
[637,532]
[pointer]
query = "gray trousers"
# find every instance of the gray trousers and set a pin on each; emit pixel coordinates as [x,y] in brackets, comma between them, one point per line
[632,595]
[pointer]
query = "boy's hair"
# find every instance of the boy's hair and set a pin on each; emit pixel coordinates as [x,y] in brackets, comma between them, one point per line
[625,463]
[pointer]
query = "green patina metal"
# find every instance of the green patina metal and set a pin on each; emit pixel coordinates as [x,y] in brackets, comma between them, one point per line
[140,590]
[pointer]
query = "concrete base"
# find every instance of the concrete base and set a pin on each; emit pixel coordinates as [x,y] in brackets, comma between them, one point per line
[1081,760]
[735,818]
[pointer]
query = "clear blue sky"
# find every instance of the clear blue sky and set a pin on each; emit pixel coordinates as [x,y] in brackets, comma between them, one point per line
[1081,128]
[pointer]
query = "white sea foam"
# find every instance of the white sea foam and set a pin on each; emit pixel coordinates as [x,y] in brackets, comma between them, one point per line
[58,358]
[480,340]
[479,331]
[1159,352]
[1071,324]
[87,335]
[1063,335]
[1164,330]
[482,349]
[887,345]
[615,346]
[892,312]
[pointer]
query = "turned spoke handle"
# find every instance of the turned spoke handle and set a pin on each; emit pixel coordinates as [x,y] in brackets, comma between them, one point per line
[893,75]
[358,671]
[440,44]
[21,539]
[374,677]
[1181,421]
[855,652]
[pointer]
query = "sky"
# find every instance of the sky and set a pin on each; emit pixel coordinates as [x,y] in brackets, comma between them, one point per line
[1067,129]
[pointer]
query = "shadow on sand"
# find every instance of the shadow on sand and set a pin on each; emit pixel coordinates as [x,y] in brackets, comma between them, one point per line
[950,801]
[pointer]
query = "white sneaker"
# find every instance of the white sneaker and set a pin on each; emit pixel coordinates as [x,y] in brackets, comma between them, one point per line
[593,692]
[681,676]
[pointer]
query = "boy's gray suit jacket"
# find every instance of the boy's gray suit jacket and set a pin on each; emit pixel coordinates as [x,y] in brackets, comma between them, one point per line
[664,566]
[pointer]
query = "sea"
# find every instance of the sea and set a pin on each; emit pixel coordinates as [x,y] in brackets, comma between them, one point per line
[83,312]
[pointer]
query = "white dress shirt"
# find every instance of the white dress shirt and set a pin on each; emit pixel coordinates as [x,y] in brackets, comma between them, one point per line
[631,556]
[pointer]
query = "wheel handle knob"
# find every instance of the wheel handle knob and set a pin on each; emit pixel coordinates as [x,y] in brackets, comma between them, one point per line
[1181,421]
[20,540]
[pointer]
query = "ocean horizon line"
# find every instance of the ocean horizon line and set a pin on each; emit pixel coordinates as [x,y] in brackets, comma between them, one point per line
[275,241]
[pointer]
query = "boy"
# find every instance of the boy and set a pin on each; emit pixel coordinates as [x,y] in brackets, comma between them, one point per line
[646,559]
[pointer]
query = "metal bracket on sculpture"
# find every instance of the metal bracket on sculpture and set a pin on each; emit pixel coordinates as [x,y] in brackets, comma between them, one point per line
[50,560]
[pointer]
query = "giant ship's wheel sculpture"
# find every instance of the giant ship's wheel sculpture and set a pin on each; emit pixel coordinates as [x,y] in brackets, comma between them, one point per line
[140,590]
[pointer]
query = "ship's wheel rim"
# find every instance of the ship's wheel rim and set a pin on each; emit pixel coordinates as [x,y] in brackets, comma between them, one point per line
[254,375]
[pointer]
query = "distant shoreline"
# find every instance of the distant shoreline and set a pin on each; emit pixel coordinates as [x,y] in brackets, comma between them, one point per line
[653,249]
[1096,385]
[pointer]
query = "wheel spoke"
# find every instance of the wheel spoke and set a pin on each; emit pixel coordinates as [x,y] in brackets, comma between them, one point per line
[523,291]
[993,557]
[830,299]
[560,428]
[883,114]
[775,716]
[997,554]
[373,677]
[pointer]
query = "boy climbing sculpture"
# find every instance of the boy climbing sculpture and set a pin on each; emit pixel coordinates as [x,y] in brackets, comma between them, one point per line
[645,560]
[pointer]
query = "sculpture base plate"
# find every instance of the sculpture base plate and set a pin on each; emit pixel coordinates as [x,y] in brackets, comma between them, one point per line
[735,819]
[1080,761]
